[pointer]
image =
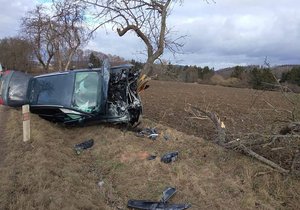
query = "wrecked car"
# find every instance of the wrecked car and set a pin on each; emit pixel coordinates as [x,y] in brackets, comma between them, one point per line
[106,94]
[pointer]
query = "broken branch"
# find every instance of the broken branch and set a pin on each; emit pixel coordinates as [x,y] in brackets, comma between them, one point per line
[236,144]
[262,159]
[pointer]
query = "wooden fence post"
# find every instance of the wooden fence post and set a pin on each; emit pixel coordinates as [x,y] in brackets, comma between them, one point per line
[26,122]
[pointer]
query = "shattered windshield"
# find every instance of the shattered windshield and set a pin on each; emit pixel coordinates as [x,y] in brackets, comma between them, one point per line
[86,91]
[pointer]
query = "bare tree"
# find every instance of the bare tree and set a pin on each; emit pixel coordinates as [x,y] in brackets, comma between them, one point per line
[146,18]
[36,27]
[57,36]
[70,30]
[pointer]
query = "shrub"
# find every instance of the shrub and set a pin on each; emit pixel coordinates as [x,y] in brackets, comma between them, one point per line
[238,72]
[292,76]
[262,79]
[217,79]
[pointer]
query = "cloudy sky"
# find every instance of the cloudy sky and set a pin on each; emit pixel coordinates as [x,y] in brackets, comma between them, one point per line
[221,34]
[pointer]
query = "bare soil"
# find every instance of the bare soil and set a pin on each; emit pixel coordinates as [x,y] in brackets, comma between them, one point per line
[245,112]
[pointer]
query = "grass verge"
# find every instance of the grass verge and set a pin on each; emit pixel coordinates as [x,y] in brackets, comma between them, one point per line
[47,174]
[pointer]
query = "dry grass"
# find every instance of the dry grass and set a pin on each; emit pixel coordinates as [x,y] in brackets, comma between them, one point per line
[47,174]
[229,82]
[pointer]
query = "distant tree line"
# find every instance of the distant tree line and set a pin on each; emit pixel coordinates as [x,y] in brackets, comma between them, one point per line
[257,77]
[263,78]
[184,73]
[187,73]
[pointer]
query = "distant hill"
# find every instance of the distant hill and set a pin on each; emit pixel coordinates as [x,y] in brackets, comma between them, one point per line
[277,70]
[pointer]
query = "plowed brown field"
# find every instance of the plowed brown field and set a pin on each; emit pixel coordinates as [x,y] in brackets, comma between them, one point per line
[244,112]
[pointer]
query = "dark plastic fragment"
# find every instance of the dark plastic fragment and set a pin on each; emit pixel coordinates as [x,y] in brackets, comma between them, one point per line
[84,145]
[161,205]
[170,157]
[151,205]
[167,194]
[151,157]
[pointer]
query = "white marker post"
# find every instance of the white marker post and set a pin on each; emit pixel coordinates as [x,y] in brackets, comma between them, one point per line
[26,123]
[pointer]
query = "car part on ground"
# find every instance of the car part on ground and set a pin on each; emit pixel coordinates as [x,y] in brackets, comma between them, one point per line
[151,157]
[170,157]
[161,205]
[152,205]
[151,133]
[84,145]
[167,194]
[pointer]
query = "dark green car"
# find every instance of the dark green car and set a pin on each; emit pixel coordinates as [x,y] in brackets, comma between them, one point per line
[79,96]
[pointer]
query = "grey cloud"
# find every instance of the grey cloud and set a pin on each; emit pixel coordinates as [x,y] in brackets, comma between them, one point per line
[228,32]
[241,31]
[129,46]
[11,13]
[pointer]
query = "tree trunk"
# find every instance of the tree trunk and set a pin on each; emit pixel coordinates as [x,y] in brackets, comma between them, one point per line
[149,66]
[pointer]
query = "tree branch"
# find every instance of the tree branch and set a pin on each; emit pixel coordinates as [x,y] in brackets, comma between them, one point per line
[221,139]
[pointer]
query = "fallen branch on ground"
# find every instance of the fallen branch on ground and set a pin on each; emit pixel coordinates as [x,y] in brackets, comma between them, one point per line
[220,126]
[262,159]
[222,138]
